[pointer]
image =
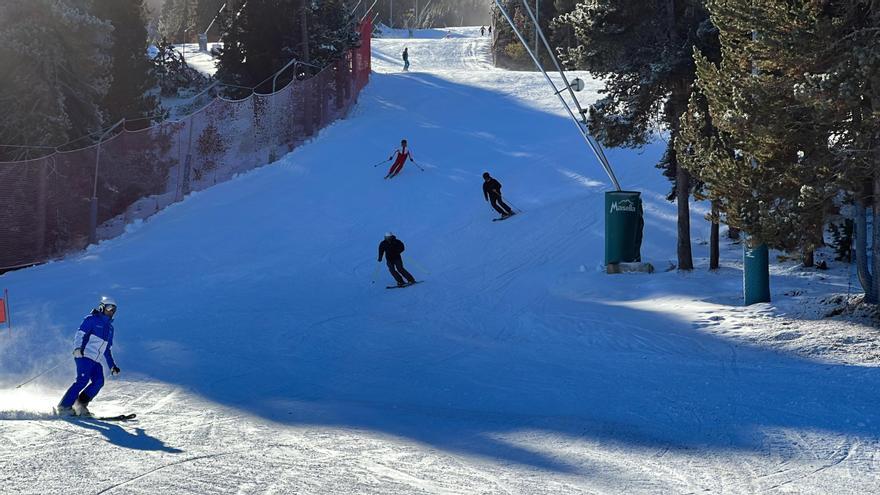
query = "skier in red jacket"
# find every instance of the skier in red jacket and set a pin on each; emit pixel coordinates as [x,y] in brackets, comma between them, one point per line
[402,154]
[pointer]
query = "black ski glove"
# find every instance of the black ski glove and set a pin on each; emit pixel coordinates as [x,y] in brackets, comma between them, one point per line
[115,370]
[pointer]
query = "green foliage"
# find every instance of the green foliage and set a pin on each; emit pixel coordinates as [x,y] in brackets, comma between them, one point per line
[172,71]
[267,34]
[132,74]
[56,72]
[436,13]
[842,240]
[517,54]
[761,153]
[178,20]
[331,31]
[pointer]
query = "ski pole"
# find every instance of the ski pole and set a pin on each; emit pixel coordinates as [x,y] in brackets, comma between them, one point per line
[417,165]
[375,272]
[41,374]
[380,163]
[513,206]
[419,266]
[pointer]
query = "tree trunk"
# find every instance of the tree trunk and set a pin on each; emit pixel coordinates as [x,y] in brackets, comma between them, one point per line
[678,102]
[809,258]
[304,27]
[714,249]
[860,238]
[875,249]
[683,186]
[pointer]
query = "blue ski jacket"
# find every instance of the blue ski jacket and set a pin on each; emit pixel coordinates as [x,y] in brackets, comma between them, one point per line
[95,337]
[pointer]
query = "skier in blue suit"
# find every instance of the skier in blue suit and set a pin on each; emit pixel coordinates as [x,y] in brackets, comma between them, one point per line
[94,338]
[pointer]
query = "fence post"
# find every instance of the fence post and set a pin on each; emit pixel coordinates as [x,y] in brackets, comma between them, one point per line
[308,86]
[346,67]
[42,210]
[340,92]
[322,101]
[93,205]
[93,212]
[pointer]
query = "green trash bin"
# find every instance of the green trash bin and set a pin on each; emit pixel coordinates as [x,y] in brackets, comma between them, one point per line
[756,274]
[624,221]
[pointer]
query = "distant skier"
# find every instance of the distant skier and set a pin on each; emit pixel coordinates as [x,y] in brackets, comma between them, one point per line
[94,338]
[405,59]
[391,247]
[492,193]
[482,30]
[490,29]
[401,155]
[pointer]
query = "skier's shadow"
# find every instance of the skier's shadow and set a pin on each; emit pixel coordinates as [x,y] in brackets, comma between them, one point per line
[117,435]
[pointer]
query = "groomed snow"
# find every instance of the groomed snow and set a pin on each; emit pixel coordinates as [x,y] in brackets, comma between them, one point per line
[263,354]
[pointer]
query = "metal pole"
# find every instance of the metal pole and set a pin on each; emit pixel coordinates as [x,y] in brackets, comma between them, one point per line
[595,144]
[537,13]
[584,132]
[93,214]
[391,16]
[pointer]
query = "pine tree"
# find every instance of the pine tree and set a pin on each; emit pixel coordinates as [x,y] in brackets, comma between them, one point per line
[133,79]
[268,34]
[178,21]
[264,37]
[764,161]
[643,50]
[331,31]
[60,76]
[442,13]
[844,87]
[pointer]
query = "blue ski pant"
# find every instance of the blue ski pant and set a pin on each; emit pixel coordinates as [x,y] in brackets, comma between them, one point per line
[89,380]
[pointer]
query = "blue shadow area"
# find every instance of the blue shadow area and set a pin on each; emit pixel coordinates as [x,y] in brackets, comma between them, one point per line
[115,434]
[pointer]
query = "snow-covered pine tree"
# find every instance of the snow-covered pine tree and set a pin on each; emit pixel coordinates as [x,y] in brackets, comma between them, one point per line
[133,81]
[762,155]
[61,64]
[643,50]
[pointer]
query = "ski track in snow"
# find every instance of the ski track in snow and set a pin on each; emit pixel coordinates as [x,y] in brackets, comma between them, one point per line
[263,355]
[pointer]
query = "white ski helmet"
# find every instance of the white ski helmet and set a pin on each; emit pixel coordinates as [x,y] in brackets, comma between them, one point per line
[389,234]
[106,303]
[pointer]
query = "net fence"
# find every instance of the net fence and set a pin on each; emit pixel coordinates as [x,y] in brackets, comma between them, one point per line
[46,203]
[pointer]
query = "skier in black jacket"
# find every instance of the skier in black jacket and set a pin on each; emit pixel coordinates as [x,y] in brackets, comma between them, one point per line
[391,248]
[492,193]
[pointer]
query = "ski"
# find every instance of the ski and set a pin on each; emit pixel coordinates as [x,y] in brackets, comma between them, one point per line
[501,218]
[403,286]
[121,417]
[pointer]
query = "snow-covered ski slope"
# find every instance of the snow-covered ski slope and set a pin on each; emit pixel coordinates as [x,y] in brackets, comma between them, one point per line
[260,357]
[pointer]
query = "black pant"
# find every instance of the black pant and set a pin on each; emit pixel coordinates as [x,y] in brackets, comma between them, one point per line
[396,268]
[500,206]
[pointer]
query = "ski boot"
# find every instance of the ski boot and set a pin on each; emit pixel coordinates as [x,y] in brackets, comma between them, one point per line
[64,411]
[81,406]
